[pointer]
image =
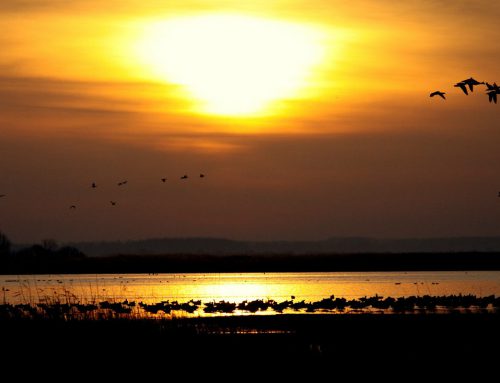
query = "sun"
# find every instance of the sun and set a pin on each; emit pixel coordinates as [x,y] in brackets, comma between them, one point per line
[231,65]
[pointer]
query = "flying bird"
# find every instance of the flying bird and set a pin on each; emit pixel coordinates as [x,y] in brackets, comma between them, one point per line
[471,82]
[492,95]
[492,92]
[202,175]
[163,180]
[3,195]
[492,87]
[72,207]
[461,85]
[113,203]
[184,177]
[438,93]
[94,185]
[122,183]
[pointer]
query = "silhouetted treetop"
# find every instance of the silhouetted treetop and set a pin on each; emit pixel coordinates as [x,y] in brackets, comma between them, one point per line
[5,245]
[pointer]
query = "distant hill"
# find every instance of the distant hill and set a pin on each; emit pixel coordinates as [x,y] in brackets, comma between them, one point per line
[339,245]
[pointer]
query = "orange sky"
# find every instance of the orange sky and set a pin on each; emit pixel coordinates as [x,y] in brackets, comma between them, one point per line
[351,145]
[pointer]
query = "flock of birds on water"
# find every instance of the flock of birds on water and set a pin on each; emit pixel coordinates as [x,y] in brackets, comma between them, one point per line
[492,89]
[131,309]
[93,185]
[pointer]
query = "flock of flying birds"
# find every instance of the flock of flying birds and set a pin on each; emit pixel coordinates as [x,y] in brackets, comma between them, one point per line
[122,183]
[492,89]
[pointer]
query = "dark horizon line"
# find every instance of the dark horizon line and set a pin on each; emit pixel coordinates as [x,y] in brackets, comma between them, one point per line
[265,241]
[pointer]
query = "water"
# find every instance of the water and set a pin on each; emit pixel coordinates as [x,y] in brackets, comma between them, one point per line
[237,287]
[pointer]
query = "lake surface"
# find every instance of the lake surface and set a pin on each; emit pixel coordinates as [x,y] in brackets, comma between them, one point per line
[237,287]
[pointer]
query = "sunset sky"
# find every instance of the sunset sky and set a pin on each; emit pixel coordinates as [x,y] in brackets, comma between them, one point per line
[310,119]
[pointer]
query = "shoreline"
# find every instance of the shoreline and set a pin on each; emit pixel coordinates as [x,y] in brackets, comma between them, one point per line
[210,263]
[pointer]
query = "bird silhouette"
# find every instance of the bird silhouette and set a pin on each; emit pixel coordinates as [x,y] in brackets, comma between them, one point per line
[3,195]
[438,93]
[122,183]
[184,177]
[163,180]
[72,207]
[471,82]
[202,175]
[492,87]
[461,85]
[492,92]
[113,203]
[492,95]
[94,185]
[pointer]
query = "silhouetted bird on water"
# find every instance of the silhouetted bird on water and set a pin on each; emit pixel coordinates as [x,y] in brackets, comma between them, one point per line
[94,185]
[184,177]
[122,183]
[113,203]
[461,85]
[438,93]
[163,180]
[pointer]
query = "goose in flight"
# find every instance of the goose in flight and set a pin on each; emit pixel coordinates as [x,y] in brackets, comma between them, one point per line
[72,207]
[202,175]
[184,177]
[122,183]
[492,95]
[492,91]
[438,93]
[164,179]
[461,85]
[492,87]
[94,185]
[471,82]
[113,203]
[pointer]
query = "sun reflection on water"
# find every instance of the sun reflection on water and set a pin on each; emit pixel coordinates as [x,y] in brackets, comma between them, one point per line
[238,287]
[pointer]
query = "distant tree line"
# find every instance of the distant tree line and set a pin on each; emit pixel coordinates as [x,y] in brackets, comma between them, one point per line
[45,257]
[48,258]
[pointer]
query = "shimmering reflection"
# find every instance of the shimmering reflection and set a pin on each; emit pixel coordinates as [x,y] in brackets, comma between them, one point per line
[237,287]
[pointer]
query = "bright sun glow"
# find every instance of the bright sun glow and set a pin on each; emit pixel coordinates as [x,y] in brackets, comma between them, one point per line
[230,64]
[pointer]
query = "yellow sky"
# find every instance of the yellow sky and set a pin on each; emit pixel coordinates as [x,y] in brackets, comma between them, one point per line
[370,53]
[91,81]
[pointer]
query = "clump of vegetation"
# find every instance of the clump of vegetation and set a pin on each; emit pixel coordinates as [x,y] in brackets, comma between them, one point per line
[5,245]
[46,257]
